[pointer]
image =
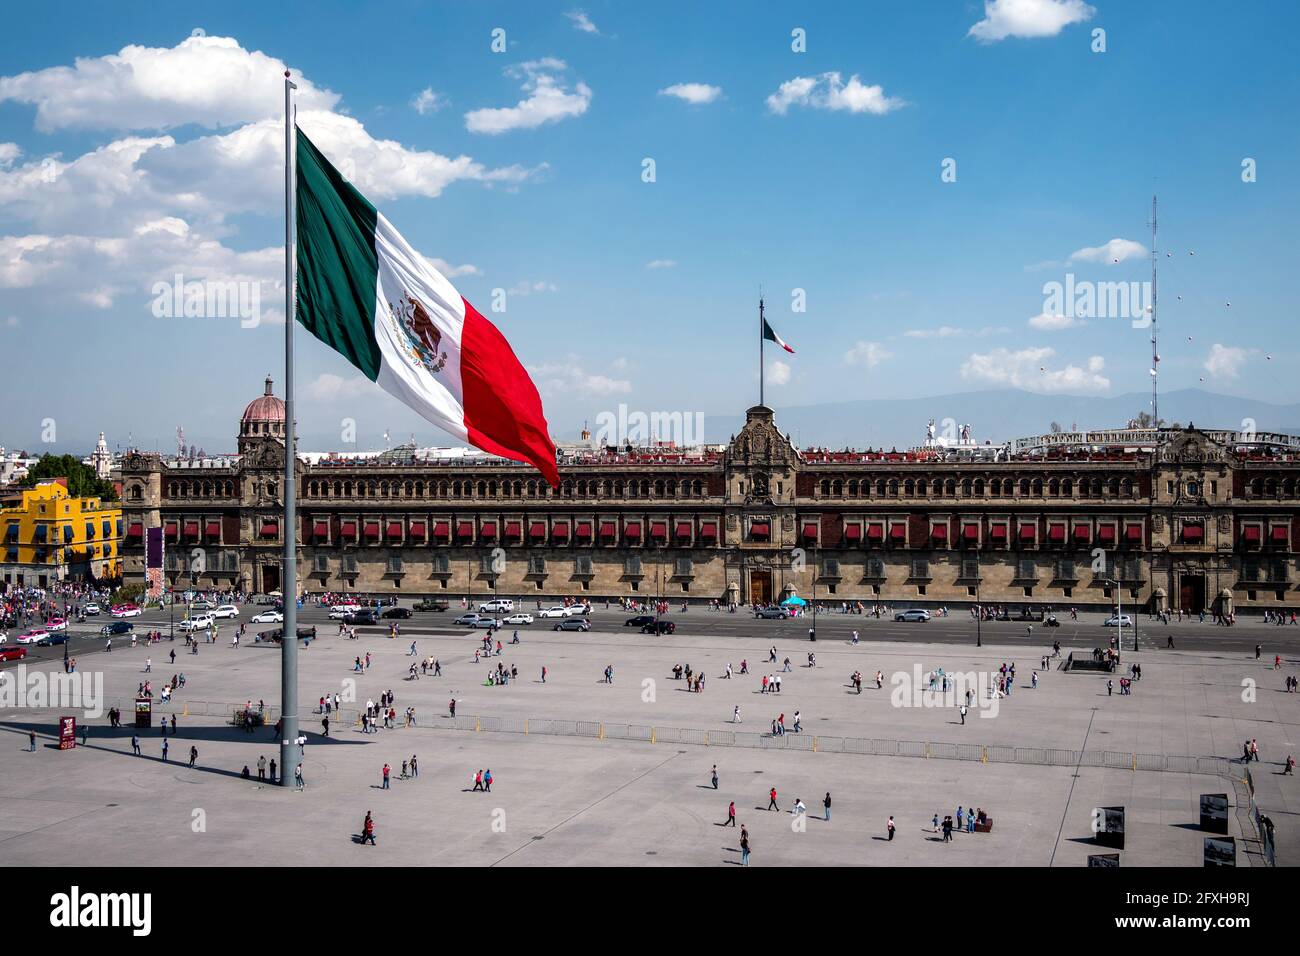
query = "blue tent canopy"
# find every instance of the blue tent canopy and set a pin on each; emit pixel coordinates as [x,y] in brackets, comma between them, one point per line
[794,600]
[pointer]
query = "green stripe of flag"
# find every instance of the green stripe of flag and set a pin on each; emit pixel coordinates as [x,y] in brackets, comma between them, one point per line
[337,265]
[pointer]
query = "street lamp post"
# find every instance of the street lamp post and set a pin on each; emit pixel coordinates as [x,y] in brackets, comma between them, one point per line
[812,634]
[979,607]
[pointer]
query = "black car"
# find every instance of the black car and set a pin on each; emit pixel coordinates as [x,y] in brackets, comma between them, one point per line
[276,634]
[365,615]
[115,628]
[641,620]
[665,627]
[399,612]
[427,605]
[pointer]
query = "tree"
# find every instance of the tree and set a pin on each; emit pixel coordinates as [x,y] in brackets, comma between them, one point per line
[82,480]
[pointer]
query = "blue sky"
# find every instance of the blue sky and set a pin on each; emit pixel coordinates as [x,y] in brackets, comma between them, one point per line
[914,286]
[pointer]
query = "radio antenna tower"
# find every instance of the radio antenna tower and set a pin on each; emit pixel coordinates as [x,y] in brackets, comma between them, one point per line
[1155,352]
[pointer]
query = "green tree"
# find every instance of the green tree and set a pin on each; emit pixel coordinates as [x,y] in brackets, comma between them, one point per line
[82,480]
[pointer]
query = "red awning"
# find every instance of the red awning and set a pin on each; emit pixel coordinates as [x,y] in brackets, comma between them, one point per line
[464,529]
[135,529]
[583,530]
[561,530]
[708,530]
[191,529]
[537,529]
[442,529]
[1279,533]
[488,529]
[1191,532]
[348,529]
[1028,532]
[514,529]
[370,529]
[971,532]
[606,529]
[1134,532]
[998,532]
[760,529]
[214,529]
[417,530]
[898,532]
[394,529]
[658,529]
[1106,532]
[683,529]
[810,530]
[874,531]
[939,532]
[630,530]
[321,529]
[1056,532]
[1082,532]
[1251,532]
[270,529]
[170,528]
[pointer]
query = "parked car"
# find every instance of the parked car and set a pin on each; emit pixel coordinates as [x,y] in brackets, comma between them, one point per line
[469,620]
[428,605]
[198,622]
[267,617]
[913,614]
[518,619]
[12,652]
[362,615]
[116,628]
[578,610]
[487,622]
[772,613]
[1122,620]
[340,611]
[641,620]
[398,612]
[59,637]
[665,627]
[558,611]
[202,606]
[56,624]
[34,636]
[224,611]
[91,609]
[496,606]
[125,610]
[305,633]
[574,624]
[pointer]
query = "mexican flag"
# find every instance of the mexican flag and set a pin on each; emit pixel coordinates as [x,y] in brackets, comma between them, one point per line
[364,292]
[771,336]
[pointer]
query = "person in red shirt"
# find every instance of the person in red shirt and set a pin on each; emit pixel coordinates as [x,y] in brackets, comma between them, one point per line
[771,800]
[387,771]
[731,815]
[368,830]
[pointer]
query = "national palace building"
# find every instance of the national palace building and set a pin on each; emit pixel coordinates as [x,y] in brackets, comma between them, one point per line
[1176,518]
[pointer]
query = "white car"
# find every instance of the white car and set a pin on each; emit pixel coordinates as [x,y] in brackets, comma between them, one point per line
[199,622]
[56,624]
[518,619]
[35,636]
[496,606]
[90,610]
[556,611]
[268,617]
[226,611]
[1122,620]
[202,606]
[340,611]
[577,610]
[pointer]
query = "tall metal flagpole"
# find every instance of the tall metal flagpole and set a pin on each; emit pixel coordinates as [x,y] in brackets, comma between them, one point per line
[289,575]
[761,336]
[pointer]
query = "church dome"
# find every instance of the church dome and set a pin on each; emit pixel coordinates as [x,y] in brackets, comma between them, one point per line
[264,408]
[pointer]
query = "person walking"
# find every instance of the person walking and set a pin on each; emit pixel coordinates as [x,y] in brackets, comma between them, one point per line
[487,781]
[826,805]
[731,814]
[962,711]
[298,781]
[368,830]
[194,755]
[735,714]
[261,767]
[889,827]
[31,741]
[715,776]
[771,800]
[135,744]
[164,750]
[387,771]
[744,847]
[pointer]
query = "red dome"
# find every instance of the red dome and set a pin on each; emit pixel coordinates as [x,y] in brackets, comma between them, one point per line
[266,408]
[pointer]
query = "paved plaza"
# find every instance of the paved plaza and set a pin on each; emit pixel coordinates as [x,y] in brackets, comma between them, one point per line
[565,792]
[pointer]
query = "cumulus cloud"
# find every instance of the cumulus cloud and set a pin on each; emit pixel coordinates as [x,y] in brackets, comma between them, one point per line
[1117,250]
[868,354]
[1046,322]
[450,271]
[328,387]
[829,92]
[548,100]
[778,373]
[695,93]
[569,377]
[1028,19]
[427,101]
[582,22]
[8,153]
[209,81]
[1225,361]
[1028,369]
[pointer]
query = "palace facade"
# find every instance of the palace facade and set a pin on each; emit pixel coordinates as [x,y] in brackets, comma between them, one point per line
[1174,518]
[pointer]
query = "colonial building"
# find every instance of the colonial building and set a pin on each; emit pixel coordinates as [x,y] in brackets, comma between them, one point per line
[50,536]
[1174,518]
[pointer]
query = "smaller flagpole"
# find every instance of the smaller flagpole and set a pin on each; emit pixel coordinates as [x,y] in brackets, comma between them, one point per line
[289,574]
[761,337]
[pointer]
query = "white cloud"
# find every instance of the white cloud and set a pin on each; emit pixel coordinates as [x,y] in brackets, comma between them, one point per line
[778,373]
[1028,19]
[694,93]
[661,264]
[582,22]
[8,153]
[528,288]
[450,271]
[869,354]
[1117,250]
[1225,361]
[328,387]
[210,81]
[1027,369]
[1054,323]
[953,332]
[427,101]
[548,101]
[569,377]
[830,92]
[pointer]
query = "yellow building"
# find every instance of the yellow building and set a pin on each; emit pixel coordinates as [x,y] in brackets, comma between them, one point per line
[50,536]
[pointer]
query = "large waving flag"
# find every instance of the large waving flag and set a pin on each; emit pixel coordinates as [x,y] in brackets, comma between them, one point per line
[770,334]
[364,292]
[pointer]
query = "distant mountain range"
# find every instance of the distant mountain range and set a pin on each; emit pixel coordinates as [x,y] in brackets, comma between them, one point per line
[1001,414]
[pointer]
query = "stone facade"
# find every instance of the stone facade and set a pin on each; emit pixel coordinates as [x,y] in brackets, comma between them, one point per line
[1185,525]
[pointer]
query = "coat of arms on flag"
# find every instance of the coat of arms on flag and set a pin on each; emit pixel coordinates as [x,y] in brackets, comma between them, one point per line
[412,319]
